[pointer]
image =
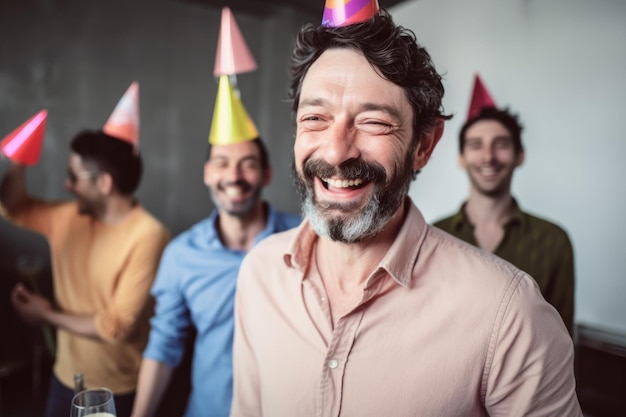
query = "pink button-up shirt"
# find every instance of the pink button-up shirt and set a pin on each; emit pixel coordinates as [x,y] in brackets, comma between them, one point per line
[443,329]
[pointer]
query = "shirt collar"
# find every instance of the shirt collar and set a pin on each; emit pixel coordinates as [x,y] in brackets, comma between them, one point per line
[398,261]
[213,237]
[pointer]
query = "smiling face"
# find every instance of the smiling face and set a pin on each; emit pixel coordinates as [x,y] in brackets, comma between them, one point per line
[354,156]
[235,177]
[489,157]
[82,182]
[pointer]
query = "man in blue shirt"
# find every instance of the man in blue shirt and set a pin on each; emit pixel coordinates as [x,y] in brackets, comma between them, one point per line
[195,285]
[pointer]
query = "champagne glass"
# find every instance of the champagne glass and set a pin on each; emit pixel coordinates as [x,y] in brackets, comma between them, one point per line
[94,402]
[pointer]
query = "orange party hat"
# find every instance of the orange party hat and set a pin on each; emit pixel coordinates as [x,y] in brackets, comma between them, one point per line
[480,99]
[124,121]
[23,145]
[231,123]
[348,12]
[233,55]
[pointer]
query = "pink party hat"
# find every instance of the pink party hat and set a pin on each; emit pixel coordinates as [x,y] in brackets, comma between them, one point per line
[480,99]
[348,12]
[124,121]
[23,145]
[233,55]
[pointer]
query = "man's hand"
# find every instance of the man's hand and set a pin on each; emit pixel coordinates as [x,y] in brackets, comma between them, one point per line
[32,308]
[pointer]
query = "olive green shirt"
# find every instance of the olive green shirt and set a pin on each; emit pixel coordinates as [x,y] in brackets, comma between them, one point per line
[536,246]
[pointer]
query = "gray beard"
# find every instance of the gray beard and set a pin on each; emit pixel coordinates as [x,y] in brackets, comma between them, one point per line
[355,225]
[350,230]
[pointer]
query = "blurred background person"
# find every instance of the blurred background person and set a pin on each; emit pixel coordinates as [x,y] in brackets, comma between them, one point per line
[490,150]
[195,285]
[105,250]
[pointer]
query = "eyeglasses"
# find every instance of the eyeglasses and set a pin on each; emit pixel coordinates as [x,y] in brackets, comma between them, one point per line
[85,175]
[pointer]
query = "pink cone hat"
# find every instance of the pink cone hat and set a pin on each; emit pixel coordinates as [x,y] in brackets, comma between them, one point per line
[124,121]
[348,12]
[23,145]
[233,55]
[480,99]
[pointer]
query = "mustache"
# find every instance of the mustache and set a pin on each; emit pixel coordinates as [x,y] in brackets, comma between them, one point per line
[351,169]
[245,185]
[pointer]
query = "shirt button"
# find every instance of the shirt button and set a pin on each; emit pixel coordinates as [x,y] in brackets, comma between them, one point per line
[332,363]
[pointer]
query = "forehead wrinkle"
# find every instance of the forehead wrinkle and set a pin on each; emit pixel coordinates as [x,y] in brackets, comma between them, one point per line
[312,102]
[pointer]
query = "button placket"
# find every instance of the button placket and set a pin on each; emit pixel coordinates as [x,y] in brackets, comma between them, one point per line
[335,364]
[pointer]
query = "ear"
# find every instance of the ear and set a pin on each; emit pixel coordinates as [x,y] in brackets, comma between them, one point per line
[105,183]
[267,176]
[461,162]
[521,157]
[207,173]
[426,146]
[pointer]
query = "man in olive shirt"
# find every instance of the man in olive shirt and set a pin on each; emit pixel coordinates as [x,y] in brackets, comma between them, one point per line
[490,149]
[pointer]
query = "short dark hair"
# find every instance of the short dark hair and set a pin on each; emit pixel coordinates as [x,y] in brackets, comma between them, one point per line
[509,120]
[109,154]
[392,50]
[264,155]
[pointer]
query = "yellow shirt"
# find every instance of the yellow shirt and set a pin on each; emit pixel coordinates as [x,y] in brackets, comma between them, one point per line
[104,270]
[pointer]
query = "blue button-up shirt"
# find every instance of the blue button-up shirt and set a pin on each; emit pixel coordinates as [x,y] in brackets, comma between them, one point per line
[195,286]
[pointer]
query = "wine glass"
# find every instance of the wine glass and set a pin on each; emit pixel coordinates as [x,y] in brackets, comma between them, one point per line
[94,402]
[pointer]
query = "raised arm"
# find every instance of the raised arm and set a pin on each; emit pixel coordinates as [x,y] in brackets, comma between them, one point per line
[13,192]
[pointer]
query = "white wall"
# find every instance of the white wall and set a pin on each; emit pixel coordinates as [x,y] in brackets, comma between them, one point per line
[560,64]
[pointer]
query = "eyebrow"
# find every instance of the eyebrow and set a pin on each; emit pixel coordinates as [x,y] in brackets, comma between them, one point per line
[391,111]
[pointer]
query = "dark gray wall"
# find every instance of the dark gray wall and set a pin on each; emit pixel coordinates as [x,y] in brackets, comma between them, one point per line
[76,58]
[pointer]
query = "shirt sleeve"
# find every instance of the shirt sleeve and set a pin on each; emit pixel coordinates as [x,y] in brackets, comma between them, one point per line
[131,304]
[246,388]
[561,291]
[36,215]
[169,327]
[530,368]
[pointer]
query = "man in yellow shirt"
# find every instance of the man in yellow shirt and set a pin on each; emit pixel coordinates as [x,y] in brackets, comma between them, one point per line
[105,249]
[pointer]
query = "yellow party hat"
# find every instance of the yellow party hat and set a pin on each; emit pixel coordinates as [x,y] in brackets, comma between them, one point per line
[231,123]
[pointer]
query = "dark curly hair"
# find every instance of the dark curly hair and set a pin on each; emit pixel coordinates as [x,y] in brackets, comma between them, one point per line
[109,154]
[390,49]
[507,119]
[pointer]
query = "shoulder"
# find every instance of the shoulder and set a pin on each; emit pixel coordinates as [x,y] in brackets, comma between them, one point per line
[284,221]
[144,227]
[464,263]
[484,282]
[445,222]
[271,251]
[546,228]
[276,241]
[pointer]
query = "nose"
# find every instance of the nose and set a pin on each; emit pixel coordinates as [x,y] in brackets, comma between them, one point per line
[487,154]
[340,144]
[233,173]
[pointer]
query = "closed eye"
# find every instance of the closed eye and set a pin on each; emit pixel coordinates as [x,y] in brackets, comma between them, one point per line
[376,127]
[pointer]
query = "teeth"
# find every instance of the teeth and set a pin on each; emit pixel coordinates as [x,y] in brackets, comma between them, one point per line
[233,192]
[342,183]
